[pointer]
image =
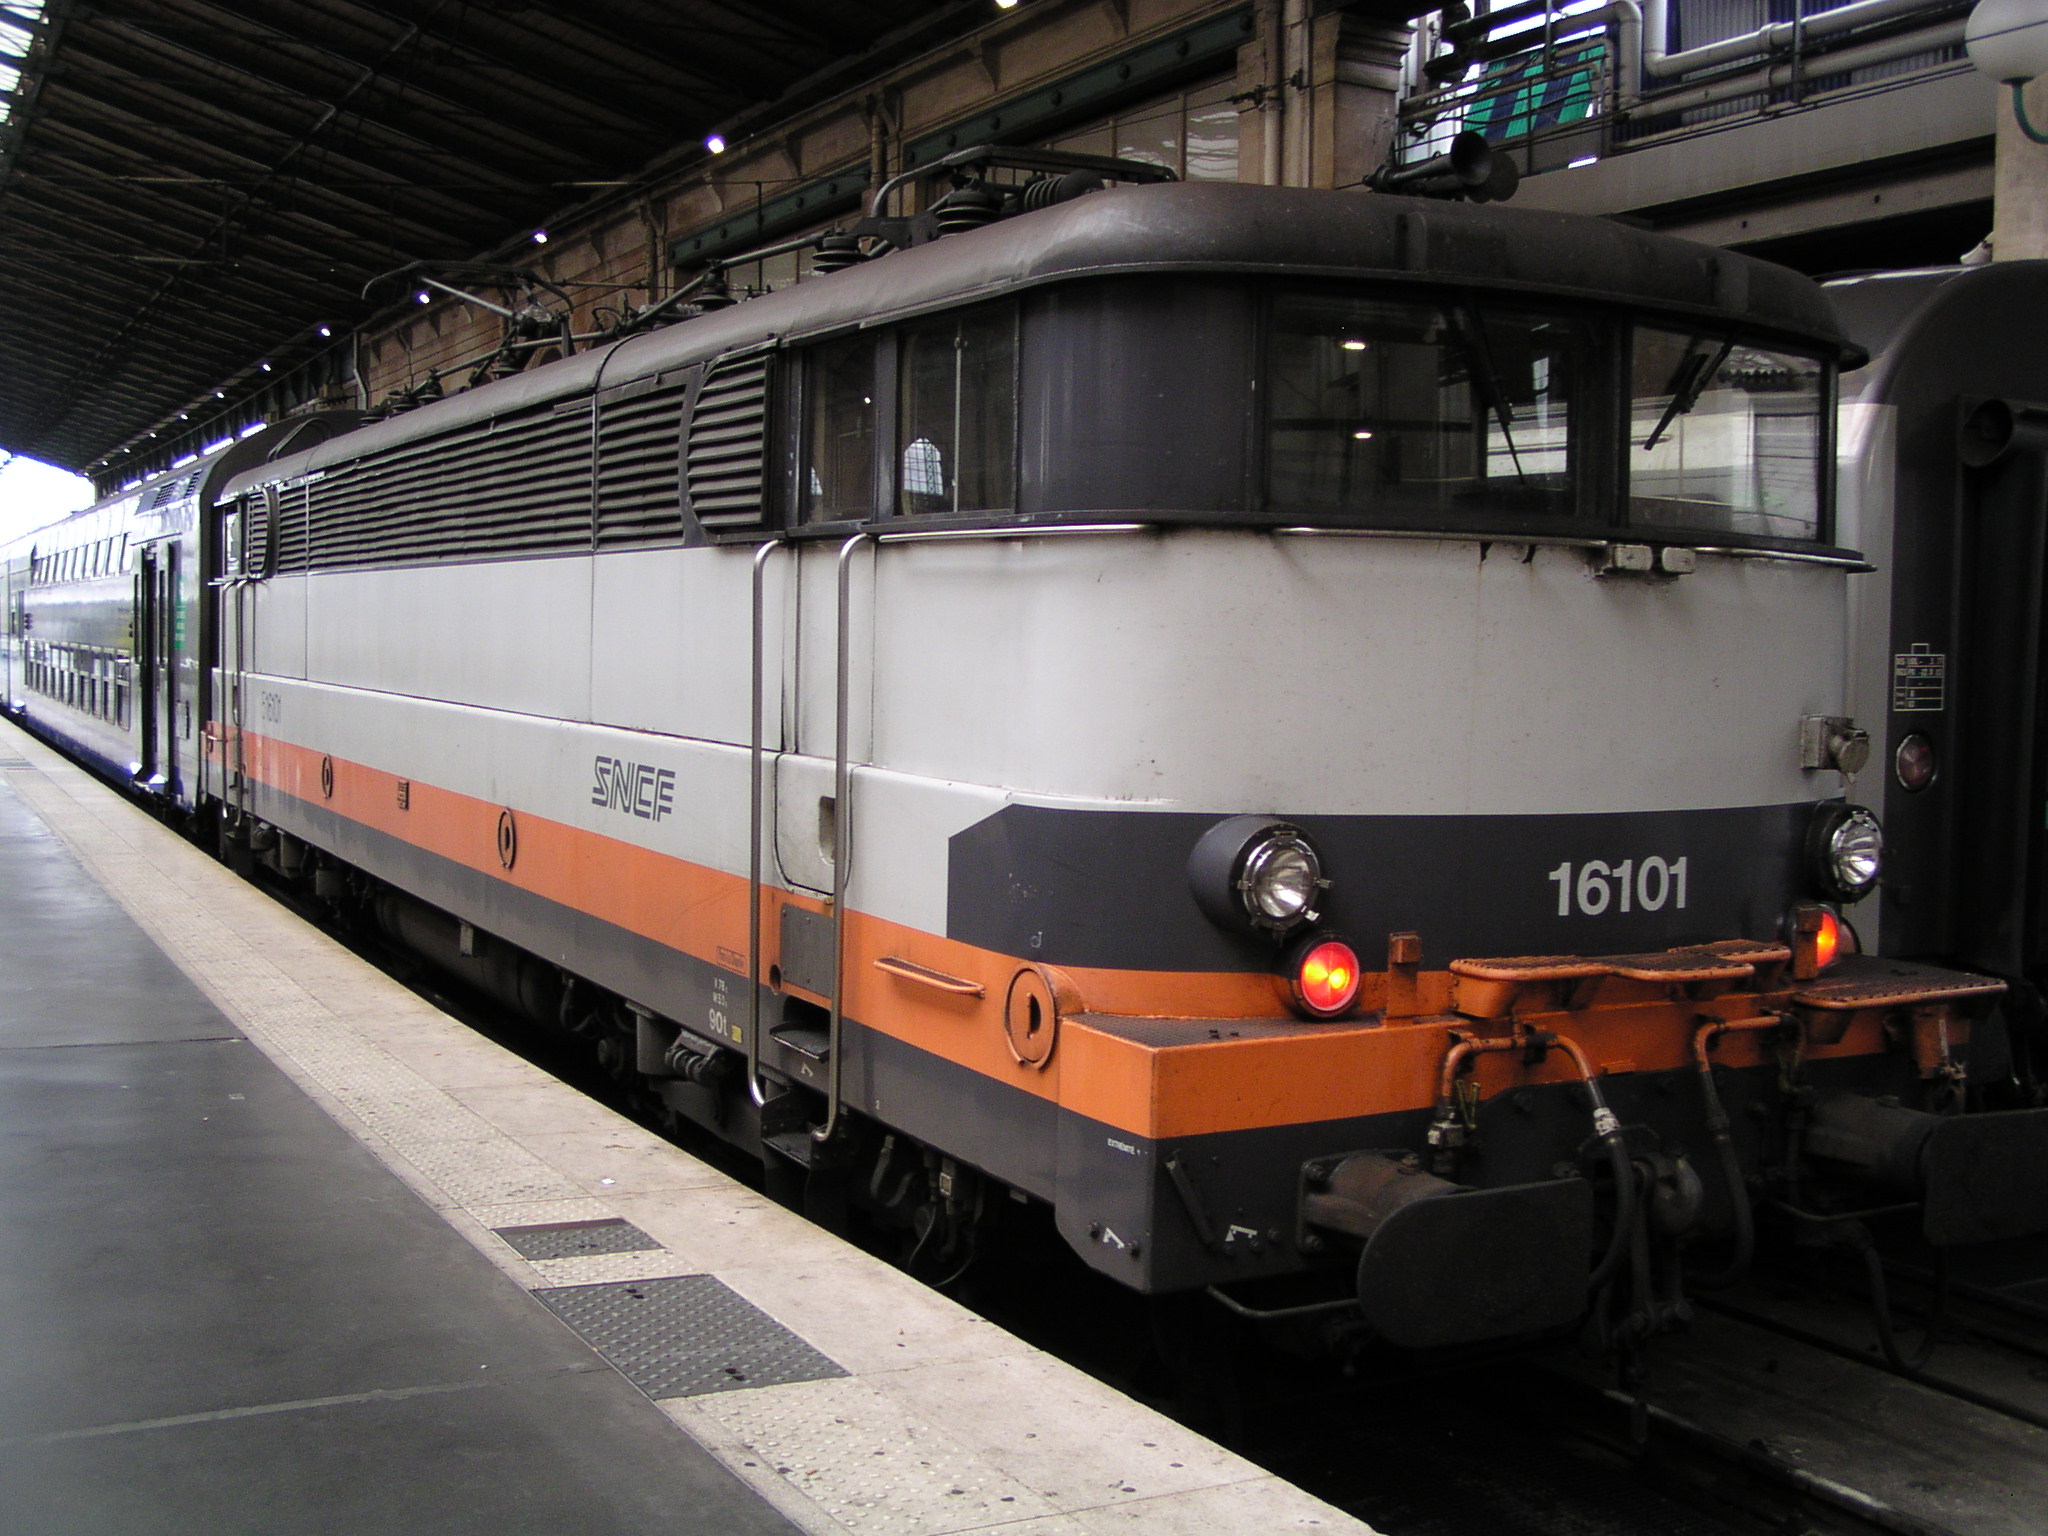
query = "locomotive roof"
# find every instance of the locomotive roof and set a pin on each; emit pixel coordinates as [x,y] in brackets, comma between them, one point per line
[201,476]
[1179,227]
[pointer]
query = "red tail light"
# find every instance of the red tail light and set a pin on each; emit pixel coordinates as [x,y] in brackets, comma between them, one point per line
[1324,977]
[1914,763]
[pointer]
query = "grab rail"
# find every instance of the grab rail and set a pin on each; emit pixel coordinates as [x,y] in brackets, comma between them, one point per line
[754,841]
[842,835]
[842,842]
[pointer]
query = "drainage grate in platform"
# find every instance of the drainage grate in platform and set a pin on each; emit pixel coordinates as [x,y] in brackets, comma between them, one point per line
[576,1239]
[686,1336]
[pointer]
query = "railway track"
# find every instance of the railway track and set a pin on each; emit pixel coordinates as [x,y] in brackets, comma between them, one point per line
[1782,1404]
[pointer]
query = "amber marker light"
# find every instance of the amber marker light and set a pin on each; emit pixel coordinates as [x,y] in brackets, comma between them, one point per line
[1323,976]
[1819,938]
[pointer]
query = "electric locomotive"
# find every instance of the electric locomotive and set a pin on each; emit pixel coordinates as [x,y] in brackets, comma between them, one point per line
[1309,732]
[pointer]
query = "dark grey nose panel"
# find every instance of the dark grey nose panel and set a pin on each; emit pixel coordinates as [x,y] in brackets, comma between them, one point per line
[1984,1177]
[1479,1264]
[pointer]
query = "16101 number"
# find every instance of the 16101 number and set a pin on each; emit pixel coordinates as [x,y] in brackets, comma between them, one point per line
[1647,883]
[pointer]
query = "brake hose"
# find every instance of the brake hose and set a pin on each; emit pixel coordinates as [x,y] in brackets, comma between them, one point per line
[1719,1128]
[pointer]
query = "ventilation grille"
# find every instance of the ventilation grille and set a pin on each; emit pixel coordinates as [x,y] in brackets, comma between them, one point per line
[518,485]
[639,446]
[727,428]
[292,517]
[174,490]
[256,532]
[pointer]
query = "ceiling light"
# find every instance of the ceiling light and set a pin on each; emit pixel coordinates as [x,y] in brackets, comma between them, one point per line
[715,144]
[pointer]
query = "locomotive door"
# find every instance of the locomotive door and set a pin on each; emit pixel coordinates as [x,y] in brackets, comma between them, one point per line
[806,798]
[804,808]
[156,663]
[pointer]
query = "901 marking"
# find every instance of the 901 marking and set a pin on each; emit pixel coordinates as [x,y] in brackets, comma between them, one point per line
[1625,886]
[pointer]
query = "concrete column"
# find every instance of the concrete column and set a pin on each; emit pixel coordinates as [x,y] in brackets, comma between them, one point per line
[2019,221]
[1354,81]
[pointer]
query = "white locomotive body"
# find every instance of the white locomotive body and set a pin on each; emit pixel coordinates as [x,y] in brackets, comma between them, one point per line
[1094,698]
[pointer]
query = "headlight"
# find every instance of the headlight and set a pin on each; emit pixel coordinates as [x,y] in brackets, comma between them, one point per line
[1258,871]
[1845,851]
[1280,879]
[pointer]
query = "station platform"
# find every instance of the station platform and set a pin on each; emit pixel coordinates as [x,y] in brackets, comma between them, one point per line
[284,1249]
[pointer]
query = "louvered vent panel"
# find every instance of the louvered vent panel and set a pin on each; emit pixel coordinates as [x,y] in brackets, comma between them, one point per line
[639,444]
[727,430]
[291,530]
[174,490]
[517,486]
[255,534]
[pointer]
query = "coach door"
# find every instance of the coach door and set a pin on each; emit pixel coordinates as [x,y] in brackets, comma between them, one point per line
[156,679]
[1994,689]
[14,647]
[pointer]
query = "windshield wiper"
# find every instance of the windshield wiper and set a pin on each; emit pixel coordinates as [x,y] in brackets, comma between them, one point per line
[1690,381]
[1473,335]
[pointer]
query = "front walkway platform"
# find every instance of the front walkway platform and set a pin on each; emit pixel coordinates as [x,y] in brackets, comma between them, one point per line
[284,1249]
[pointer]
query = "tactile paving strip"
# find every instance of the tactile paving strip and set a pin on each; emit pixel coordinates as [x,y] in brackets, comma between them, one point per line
[686,1336]
[576,1239]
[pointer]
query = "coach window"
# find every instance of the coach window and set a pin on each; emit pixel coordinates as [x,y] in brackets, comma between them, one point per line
[1724,437]
[839,430]
[957,433]
[1397,408]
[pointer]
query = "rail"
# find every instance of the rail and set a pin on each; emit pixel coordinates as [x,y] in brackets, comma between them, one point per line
[754,831]
[842,838]
[245,610]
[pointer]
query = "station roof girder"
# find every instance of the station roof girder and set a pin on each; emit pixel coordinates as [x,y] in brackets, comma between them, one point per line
[190,185]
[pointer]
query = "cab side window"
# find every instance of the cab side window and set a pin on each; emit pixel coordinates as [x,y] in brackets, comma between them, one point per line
[957,420]
[838,472]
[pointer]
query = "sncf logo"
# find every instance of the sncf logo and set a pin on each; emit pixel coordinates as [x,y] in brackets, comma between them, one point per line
[636,789]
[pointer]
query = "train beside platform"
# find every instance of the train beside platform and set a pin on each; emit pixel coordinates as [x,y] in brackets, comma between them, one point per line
[1325,737]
